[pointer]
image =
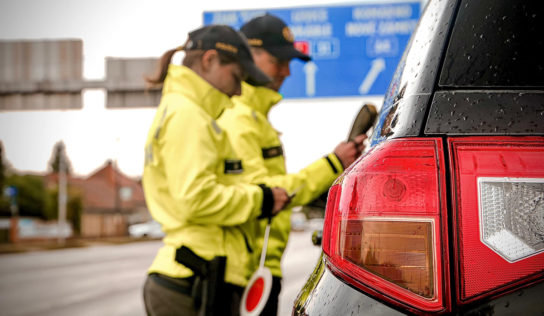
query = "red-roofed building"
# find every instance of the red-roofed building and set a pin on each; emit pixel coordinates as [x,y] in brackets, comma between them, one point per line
[111,202]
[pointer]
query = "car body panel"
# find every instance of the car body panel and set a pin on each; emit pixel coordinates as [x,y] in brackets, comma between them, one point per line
[409,92]
[338,299]
[488,112]
[325,294]
[496,44]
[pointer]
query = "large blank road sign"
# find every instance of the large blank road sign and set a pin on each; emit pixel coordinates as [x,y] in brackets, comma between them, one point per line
[355,48]
[41,74]
[126,85]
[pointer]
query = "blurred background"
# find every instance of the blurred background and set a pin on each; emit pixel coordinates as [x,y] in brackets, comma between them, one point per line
[71,84]
[74,114]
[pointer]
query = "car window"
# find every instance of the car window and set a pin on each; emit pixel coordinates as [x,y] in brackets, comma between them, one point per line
[496,44]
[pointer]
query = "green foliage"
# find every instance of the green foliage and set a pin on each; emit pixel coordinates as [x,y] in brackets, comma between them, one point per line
[4,206]
[33,198]
[74,207]
[31,194]
[4,203]
[59,151]
[2,167]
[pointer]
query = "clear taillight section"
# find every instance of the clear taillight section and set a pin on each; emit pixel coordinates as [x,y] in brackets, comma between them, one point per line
[499,213]
[512,216]
[384,224]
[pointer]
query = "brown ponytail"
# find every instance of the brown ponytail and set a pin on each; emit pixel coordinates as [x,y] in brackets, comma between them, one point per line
[162,68]
[191,58]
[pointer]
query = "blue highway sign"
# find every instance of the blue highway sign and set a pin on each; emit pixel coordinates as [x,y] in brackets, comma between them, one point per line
[355,48]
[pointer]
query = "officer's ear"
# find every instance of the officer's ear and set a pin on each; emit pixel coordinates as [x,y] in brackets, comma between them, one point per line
[208,59]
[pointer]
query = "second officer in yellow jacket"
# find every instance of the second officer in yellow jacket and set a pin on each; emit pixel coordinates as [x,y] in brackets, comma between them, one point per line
[259,146]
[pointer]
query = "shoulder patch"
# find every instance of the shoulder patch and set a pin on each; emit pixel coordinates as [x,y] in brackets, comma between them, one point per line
[233,166]
[272,152]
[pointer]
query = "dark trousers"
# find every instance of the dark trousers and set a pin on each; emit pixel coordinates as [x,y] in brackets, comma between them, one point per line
[161,300]
[271,307]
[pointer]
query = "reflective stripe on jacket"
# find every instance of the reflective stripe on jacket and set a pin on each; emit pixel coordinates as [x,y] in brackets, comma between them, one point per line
[193,181]
[258,143]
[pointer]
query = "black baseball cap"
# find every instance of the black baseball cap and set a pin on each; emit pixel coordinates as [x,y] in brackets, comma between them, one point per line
[230,42]
[272,34]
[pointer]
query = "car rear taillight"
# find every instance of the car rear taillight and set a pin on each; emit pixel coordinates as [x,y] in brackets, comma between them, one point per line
[332,204]
[385,221]
[499,213]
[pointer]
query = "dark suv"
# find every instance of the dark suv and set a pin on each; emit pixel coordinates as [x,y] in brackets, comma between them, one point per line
[444,214]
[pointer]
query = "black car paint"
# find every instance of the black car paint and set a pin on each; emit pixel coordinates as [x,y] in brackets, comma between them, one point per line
[497,112]
[404,108]
[321,296]
[325,294]
[496,44]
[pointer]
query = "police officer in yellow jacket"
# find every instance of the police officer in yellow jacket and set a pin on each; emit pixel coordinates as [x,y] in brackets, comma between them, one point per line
[258,143]
[194,182]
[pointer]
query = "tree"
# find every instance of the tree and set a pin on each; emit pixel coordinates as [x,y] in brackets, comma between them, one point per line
[4,167]
[74,204]
[31,194]
[59,151]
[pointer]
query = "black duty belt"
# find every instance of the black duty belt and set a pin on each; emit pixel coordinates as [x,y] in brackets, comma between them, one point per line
[180,285]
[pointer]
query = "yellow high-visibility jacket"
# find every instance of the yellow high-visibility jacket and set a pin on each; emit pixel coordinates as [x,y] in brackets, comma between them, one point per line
[259,146]
[193,181]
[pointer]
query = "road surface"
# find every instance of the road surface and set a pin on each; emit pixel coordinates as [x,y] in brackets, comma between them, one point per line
[107,280]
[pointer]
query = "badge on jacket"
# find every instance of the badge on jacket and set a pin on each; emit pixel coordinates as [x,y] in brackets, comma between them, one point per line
[272,152]
[233,166]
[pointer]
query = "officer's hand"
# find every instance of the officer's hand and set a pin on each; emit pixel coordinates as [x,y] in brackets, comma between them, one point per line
[347,152]
[359,143]
[281,199]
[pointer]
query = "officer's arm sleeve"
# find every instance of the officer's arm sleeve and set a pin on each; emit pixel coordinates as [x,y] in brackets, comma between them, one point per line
[310,182]
[192,163]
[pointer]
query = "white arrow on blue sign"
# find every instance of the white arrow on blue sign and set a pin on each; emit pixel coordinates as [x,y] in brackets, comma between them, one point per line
[355,48]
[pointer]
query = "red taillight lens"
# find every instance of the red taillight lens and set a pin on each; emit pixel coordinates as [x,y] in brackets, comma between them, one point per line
[499,208]
[385,225]
[332,203]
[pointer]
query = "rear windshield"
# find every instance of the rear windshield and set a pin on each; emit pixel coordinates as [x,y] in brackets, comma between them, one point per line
[496,43]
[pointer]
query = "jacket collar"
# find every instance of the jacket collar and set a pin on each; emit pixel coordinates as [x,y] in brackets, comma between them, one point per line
[185,81]
[260,99]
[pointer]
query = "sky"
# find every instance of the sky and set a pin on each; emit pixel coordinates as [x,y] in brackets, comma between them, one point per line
[137,28]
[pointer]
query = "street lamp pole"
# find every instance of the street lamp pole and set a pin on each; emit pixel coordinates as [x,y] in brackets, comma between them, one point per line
[62,200]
